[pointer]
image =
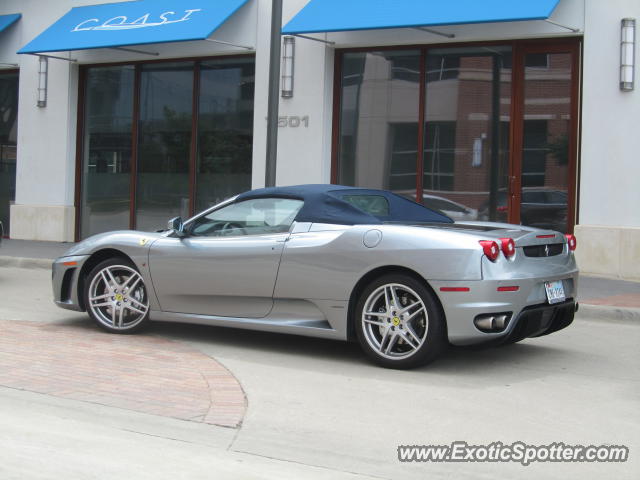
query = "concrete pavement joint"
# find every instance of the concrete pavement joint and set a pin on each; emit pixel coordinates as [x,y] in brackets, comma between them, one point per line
[304,464]
[164,437]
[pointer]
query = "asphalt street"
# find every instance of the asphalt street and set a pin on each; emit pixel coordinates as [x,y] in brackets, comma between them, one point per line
[318,409]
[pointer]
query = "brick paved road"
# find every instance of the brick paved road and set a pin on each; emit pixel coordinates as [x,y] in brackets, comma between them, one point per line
[142,373]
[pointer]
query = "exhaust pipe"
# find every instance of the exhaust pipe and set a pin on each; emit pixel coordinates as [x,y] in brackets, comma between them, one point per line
[493,322]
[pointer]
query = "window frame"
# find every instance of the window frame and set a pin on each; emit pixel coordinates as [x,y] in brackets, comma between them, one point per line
[519,47]
[81,129]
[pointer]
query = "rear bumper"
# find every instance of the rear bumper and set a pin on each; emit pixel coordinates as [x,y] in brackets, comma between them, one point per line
[527,308]
[539,320]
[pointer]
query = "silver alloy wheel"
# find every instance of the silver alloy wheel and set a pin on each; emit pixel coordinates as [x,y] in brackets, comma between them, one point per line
[118,297]
[395,321]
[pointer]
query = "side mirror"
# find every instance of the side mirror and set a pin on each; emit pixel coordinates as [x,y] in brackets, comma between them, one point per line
[176,226]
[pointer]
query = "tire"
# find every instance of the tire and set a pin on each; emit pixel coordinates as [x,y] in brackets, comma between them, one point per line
[404,338]
[116,296]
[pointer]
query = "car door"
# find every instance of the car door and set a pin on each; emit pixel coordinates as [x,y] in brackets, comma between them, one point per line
[227,263]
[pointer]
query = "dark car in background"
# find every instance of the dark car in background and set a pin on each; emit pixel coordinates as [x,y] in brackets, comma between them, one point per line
[539,207]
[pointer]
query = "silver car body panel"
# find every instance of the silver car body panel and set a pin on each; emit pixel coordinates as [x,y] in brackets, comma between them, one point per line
[220,276]
[302,282]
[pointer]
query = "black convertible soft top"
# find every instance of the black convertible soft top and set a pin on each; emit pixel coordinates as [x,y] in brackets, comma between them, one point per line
[340,205]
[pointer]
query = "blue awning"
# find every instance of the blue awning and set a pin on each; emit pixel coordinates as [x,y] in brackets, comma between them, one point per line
[133,23]
[7,20]
[346,15]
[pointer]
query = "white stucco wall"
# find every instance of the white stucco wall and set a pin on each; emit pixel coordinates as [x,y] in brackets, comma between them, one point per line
[609,185]
[608,230]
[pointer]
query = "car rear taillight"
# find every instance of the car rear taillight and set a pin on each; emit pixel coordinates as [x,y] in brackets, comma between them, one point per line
[508,247]
[571,241]
[491,249]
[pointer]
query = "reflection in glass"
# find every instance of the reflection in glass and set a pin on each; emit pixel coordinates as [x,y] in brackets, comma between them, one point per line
[379,120]
[225,130]
[164,143]
[466,149]
[8,135]
[106,166]
[545,155]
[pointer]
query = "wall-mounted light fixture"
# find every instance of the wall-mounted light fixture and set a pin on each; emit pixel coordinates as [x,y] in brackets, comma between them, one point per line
[627,53]
[43,67]
[288,51]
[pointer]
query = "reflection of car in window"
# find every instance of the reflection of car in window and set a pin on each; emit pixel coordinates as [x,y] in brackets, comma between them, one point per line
[454,210]
[451,209]
[539,207]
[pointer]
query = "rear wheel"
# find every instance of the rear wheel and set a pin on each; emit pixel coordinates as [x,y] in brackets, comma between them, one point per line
[116,296]
[399,323]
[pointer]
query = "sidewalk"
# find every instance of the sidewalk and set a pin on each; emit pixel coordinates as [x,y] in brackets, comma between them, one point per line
[598,297]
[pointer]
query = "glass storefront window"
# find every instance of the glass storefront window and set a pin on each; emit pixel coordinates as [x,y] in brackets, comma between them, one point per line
[8,136]
[106,169]
[225,130]
[466,155]
[379,120]
[546,130]
[164,140]
[466,112]
[170,155]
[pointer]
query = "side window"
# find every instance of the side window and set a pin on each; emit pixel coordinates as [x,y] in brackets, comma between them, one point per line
[259,216]
[375,205]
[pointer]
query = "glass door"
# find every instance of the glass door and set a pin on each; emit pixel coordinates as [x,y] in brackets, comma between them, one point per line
[465,162]
[544,156]
[164,143]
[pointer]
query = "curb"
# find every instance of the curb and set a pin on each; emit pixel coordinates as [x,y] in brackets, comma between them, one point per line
[607,312]
[23,262]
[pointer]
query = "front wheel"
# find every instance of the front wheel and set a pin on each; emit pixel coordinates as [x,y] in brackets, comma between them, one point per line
[399,323]
[116,296]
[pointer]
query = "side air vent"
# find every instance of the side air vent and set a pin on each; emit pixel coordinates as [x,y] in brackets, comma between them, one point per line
[548,250]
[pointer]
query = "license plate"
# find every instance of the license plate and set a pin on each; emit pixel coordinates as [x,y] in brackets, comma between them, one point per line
[555,291]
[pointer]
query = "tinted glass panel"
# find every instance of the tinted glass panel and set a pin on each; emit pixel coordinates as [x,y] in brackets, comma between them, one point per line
[8,135]
[166,96]
[379,120]
[467,131]
[547,126]
[375,205]
[106,166]
[225,130]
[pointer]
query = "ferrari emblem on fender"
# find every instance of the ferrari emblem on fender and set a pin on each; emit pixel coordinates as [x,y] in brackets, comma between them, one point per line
[143,241]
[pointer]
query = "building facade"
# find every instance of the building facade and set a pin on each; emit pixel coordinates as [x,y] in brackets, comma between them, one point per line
[521,120]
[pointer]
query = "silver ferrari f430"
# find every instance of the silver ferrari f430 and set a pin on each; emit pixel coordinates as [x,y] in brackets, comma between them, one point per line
[330,261]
